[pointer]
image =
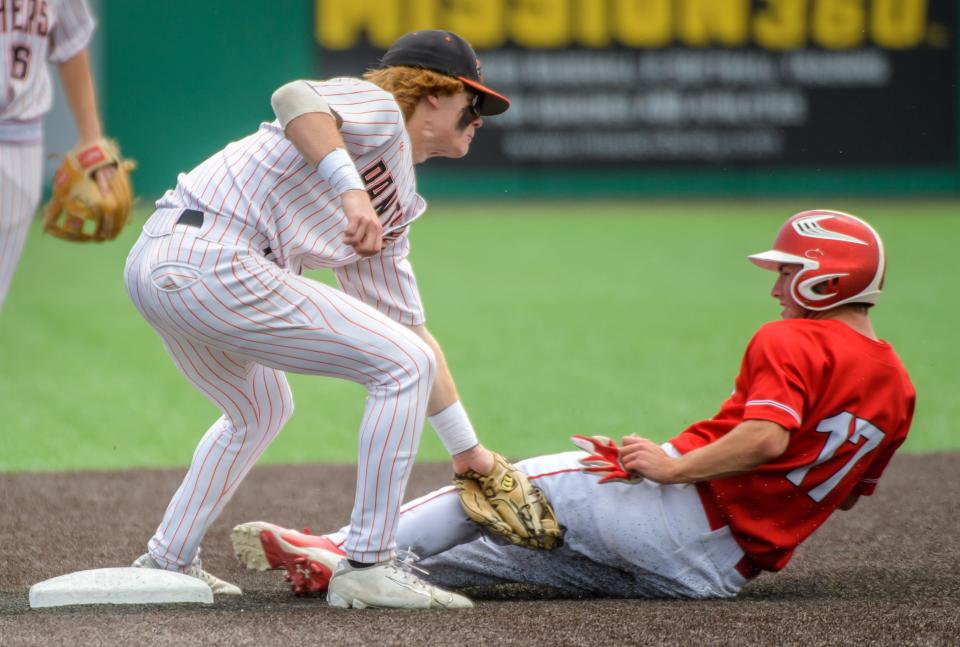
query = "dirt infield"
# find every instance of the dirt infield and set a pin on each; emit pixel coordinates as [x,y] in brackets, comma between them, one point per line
[886,573]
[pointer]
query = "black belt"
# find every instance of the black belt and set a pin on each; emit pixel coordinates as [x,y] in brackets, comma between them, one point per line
[194,218]
[190,218]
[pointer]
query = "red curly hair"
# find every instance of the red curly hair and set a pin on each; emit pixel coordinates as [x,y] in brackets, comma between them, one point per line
[409,84]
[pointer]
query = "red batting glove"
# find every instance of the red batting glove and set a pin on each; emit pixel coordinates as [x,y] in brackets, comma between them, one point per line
[604,458]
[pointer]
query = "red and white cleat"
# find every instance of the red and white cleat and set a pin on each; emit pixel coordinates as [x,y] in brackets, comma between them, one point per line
[308,559]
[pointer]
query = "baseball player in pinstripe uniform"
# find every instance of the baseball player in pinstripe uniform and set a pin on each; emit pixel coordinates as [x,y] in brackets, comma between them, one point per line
[32,33]
[217,272]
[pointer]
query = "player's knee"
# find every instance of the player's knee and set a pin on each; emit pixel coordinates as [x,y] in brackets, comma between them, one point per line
[275,409]
[426,361]
[429,361]
[418,366]
[278,404]
[286,413]
[286,408]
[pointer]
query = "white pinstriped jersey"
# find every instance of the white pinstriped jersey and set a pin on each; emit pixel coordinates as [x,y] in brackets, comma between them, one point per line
[33,32]
[263,194]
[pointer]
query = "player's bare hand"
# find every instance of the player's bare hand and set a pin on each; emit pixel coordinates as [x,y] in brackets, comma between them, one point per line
[646,458]
[103,176]
[363,232]
[478,458]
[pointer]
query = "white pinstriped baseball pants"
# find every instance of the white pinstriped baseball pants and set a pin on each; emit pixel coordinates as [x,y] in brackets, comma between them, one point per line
[233,322]
[21,168]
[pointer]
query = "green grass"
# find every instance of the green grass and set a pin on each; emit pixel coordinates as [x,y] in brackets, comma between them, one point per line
[556,319]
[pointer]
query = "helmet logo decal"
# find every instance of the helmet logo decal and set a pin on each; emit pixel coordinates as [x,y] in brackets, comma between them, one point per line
[811,228]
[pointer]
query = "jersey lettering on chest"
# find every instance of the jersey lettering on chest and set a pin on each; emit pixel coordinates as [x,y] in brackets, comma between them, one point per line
[382,189]
[29,17]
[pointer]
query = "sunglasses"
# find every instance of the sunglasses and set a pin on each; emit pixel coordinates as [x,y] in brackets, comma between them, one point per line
[471,112]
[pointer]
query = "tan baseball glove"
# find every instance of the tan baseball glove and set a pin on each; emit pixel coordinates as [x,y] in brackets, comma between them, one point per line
[78,211]
[505,503]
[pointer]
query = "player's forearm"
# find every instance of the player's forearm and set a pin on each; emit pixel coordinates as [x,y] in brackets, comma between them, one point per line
[748,446]
[444,391]
[449,419]
[78,87]
[314,135]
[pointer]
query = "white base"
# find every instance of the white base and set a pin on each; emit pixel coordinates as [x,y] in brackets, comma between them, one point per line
[119,586]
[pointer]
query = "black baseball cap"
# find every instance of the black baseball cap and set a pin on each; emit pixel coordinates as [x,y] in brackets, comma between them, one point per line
[447,53]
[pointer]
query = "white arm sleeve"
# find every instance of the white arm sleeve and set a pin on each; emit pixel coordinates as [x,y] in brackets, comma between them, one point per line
[297,98]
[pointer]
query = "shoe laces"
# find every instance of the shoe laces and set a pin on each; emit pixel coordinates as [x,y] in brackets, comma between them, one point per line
[405,564]
[197,571]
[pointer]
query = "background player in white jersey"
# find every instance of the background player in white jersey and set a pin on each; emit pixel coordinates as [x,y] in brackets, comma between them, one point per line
[32,33]
[217,273]
[819,407]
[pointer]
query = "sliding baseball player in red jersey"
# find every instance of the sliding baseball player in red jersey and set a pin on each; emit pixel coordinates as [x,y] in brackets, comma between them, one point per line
[31,34]
[217,273]
[819,407]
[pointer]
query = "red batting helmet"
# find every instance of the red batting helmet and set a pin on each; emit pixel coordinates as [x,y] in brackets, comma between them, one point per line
[841,255]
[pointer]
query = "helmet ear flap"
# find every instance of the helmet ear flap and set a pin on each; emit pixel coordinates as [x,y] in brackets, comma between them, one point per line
[829,285]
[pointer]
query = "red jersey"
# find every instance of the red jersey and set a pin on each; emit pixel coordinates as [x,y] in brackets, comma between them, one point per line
[847,402]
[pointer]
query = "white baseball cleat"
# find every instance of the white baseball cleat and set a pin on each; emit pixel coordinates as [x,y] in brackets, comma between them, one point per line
[388,585]
[308,559]
[218,586]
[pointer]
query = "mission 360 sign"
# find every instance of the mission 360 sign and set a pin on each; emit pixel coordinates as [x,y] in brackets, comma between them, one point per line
[689,82]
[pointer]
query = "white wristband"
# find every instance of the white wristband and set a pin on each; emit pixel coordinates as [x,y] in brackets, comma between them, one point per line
[454,428]
[339,171]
